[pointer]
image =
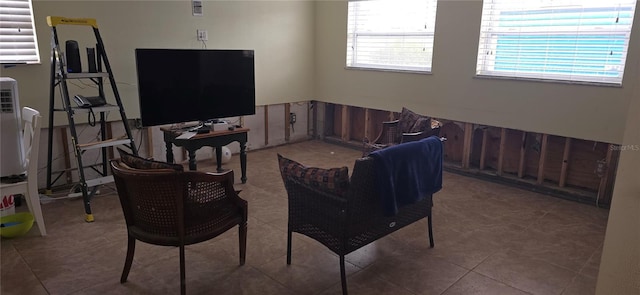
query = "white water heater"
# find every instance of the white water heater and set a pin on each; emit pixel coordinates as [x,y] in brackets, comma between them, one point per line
[11,152]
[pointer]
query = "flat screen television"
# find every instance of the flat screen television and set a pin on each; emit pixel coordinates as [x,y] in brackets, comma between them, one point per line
[184,85]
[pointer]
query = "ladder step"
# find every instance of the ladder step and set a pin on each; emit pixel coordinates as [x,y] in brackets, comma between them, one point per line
[86,75]
[99,181]
[100,109]
[104,143]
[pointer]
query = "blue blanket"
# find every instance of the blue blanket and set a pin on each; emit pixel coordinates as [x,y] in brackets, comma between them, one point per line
[408,172]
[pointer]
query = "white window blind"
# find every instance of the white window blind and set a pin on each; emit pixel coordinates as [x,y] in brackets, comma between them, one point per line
[18,43]
[391,34]
[571,40]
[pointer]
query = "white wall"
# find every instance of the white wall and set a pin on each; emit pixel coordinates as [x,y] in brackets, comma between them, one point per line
[620,263]
[452,92]
[280,32]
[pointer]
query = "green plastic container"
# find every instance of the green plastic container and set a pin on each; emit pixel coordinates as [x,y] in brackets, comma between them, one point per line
[16,225]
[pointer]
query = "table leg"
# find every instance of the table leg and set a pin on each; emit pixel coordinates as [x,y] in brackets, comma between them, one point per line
[243,161]
[169,151]
[219,159]
[192,160]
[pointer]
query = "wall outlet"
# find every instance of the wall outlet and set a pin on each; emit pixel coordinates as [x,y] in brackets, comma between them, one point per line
[196,7]
[292,118]
[202,35]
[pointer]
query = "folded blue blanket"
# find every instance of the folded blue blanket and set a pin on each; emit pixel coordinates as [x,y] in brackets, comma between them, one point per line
[408,172]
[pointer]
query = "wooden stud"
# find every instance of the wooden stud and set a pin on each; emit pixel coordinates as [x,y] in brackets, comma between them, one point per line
[367,124]
[565,162]
[310,115]
[523,155]
[483,150]
[605,178]
[346,127]
[67,158]
[149,136]
[466,149]
[287,121]
[503,140]
[543,155]
[266,125]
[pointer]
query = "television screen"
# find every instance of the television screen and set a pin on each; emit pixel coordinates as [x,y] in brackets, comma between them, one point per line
[183,85]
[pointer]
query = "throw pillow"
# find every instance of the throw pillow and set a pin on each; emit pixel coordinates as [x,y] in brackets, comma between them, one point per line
[407,120]
[334,180]
[422,124]
[136,162]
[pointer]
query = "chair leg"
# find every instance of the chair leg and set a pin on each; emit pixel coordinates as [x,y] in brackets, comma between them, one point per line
[430,221]
[289,247]
[183,283]
[242,236]
[343,276]
[131,248]
[33,202]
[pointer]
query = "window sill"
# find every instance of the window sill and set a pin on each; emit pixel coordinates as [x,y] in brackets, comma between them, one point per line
[389,70]
[12,65]
[540,80]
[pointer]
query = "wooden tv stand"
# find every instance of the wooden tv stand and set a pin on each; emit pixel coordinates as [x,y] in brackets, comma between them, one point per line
[214,139]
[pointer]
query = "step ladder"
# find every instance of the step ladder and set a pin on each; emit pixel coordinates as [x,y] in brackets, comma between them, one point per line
[59,77]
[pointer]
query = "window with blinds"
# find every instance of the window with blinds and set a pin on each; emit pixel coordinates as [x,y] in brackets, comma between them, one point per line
[18,43]
[570,40]
[391,34]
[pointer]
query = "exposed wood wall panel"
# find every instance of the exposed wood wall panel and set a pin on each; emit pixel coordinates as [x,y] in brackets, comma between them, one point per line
[523,155]
[583,163]
[358,122]
[532,155]
[466,145]
[555,152]
[565,162]
[330,119]
[454,144]
[503,139]
[492,152]
[368,125]
[512,147]
[287,121]
[337,120]
[546,159]
[543,159]
[345,132]
[476,147]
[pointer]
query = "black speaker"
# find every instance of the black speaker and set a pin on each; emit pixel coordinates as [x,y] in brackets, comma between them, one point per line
[73,57]
[91,56]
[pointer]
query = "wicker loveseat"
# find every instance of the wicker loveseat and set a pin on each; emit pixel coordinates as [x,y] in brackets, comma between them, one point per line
[341,213]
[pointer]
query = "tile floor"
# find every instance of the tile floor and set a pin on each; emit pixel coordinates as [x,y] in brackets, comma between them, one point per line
[490,239]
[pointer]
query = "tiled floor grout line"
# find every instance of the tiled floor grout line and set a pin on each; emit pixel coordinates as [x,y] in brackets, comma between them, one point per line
[29,266]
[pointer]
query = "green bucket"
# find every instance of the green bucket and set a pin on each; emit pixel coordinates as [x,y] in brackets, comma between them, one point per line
[15,225]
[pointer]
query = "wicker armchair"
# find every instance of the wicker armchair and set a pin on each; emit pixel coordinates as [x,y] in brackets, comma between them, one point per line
[341,213]
[175,208]
[409,127]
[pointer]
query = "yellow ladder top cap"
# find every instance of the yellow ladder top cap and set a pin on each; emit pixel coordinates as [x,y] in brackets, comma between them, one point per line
[53,21]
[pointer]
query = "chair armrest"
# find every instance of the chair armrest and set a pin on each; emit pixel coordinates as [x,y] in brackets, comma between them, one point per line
[414,136]
[390,133]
